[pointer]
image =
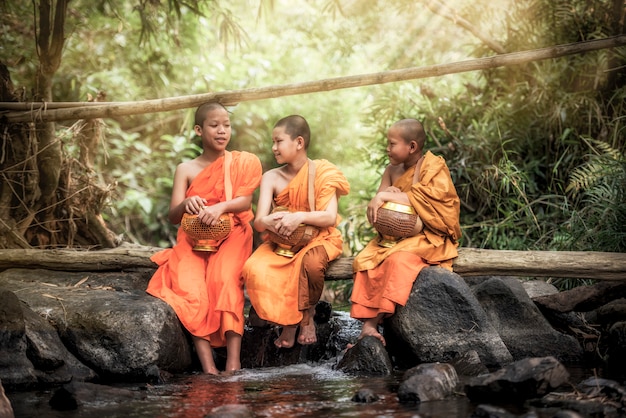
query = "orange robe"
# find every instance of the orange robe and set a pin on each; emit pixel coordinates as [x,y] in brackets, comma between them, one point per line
[272,280]
[205,289]
[383,276]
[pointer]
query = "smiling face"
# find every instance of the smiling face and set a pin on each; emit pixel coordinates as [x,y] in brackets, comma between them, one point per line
[398,149]
[284,147]
[215,130]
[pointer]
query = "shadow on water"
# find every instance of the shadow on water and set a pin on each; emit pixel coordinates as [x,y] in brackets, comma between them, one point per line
[291,391]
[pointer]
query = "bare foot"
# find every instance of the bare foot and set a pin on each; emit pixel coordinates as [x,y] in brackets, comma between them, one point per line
[370,329]
[236,365]
[287,338]
[230,372]
[307,333]
[212,371]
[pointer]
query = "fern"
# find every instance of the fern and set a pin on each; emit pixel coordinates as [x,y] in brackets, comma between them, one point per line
[599,221]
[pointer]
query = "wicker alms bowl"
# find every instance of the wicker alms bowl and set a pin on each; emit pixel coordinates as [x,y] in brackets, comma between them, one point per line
[207,237]
[395,221]
[288,246]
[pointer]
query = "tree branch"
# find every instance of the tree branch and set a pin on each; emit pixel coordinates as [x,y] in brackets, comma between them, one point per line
[447,12]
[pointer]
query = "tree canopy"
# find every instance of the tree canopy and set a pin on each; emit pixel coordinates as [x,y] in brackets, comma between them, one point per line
[536,150]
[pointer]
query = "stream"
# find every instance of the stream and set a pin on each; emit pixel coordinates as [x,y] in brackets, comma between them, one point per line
[292,391]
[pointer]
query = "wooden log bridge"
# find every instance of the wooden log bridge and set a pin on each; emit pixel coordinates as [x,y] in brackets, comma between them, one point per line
[471,262]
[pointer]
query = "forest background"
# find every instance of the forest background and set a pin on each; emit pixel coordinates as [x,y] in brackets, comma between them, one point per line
[536,151]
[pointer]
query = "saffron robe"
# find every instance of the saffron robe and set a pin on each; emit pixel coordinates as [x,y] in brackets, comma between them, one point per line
[272,280]
[205,289]
[383,277]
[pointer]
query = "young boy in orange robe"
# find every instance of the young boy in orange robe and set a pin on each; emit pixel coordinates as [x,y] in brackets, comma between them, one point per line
[205,289]
[383,277]
[284,290]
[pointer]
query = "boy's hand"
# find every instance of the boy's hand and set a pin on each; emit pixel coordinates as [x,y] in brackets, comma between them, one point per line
[372,208]
[193,204]
[210,215]
[393,189]
[287,223]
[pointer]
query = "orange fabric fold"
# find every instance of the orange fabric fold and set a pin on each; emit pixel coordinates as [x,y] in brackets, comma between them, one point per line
[384,276]
[271,280]
[205,289]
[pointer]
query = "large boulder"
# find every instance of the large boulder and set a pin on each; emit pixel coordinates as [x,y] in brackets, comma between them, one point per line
[442,320]
[520,324]
[106,320]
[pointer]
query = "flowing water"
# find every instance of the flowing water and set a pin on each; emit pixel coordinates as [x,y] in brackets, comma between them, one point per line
[302,390]
[291,391]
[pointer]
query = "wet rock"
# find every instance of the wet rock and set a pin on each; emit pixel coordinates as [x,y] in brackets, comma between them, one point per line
[536,288]
[38,350]
[612,312]
[106,319]
[428,382]
[593,397]
[73,395]
[616,352]
[582,298]
[365,396]
[520,324]
[16,370]
[258,349]
[323,312]
[53,363]
[367,357]
[519,381]
[469,364]
[442,320]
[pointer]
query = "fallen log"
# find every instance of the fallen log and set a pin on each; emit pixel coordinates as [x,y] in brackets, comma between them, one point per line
[471,262]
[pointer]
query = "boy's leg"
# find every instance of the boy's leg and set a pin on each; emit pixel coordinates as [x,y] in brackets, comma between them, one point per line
[308,333]
[233,351]
[205,354]
[314,265]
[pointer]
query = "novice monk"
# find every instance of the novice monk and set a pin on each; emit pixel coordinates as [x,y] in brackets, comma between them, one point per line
[384,277]
[205,289]
[285,290]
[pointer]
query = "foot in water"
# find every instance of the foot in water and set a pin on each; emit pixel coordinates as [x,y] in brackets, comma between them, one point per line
[308,333]
[287,337]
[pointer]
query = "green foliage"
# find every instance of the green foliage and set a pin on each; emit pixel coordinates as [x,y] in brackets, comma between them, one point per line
[599,222]
[516,139]
[137,208]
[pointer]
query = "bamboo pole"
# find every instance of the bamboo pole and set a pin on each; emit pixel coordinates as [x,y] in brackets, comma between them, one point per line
[71,111]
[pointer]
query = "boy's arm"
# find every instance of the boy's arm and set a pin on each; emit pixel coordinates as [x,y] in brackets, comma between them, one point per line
[263,220]
[386,193]
[385,180]
[178,203]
